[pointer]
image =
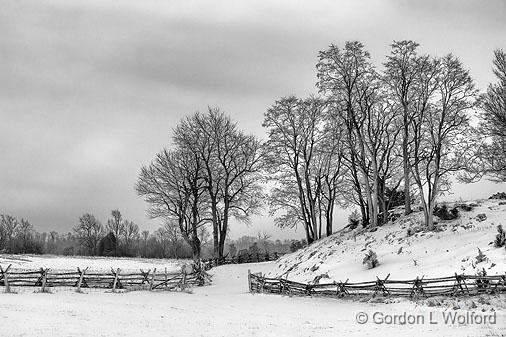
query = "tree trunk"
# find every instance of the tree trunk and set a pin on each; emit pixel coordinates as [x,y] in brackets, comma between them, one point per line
[374,194]
[330,216]
[405,154]
[309,239]
[214,212]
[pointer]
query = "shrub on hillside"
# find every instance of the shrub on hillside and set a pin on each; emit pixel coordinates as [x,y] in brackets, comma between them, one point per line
[465,207]
[353,219]
[370,259]
[498,195]
[480,257]
[482,283]
[445,213]
[394,197]
[500,238]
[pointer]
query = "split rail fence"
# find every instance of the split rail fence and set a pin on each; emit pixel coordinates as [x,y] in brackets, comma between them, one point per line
[115,279]
[244,258]
[420,287]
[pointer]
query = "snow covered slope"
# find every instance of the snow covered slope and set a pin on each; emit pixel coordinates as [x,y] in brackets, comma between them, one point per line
[451,250]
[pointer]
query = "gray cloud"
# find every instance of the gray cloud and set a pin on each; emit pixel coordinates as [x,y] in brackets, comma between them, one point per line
[89,90]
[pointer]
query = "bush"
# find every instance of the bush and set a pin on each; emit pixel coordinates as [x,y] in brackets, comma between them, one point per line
[465,207]
[353,219]
[395,198]
[482,283]
[500,238]
[481,217]
[370,259]
[498,195]
[445,213]
[480,257]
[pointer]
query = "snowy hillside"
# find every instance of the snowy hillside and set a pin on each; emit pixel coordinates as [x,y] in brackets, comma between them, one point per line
[404,249]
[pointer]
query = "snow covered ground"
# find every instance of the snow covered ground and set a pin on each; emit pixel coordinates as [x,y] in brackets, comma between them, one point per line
[433,254]
[225,308]
[222,309]
[34,262]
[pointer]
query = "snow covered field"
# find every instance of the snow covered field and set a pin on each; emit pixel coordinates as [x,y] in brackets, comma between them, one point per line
[222,309]
[34,262]
[225,308]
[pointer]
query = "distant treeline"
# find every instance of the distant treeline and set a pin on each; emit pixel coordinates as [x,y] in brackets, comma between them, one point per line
[118,237]
[262,244]
[121,237]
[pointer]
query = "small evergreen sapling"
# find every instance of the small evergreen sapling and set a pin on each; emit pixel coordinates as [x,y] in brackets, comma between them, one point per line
[500,238]
[480,257]
[370,259]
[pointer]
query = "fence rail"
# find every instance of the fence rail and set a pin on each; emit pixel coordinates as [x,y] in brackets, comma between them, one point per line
[244,258]
[419,287]
[115,279]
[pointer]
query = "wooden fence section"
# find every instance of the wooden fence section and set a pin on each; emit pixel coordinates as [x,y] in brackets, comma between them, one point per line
[115,279]
[244,258]
[419,287]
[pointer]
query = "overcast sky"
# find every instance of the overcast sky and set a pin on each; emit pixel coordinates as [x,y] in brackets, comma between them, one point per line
[90,89]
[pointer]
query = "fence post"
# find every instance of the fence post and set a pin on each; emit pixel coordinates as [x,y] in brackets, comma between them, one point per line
[6,279]
[116,274]
[249,280]
[44,279]
[184,278]
[152,279]
[81,276]
[165,277]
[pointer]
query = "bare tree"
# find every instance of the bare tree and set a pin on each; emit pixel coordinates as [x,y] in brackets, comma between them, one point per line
[370,123]
[352,83]
[8,227]
[116,226]
[231,162]
[130,232]
[441,132]
[89,231]
[493,124]
[303,161]
[24,233]
[175,188]
[145,237]
[402,70]
[171,233]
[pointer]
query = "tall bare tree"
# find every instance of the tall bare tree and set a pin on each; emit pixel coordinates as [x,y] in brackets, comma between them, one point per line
[24,234]
[350,80]
[231,163]
[89,232]
[402,70]
[174,186]
[441,131]
[8,226]
[370,122]
[130,233]
[116,226]
[493,124]
[303,160]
